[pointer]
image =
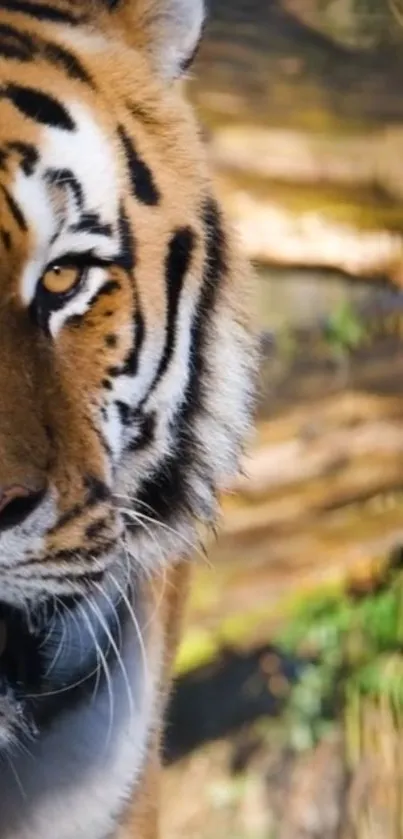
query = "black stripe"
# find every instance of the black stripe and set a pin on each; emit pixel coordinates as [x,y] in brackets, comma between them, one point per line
[15,44]
[6,239]
[28,153]
[42,310]
[42,11]
[39,106]
[168,491]
[127,257]
[14,209]
[66,177]
[91,223]
[25,47]
[97,490]
[97,528]
[145,432]
[61,57]
[124,410]
[187,62]
[81,578]
[109,287]
[13,52]
[142,180]
[139,112]
[178,260]
[128,260]
[131,362]
[20,39]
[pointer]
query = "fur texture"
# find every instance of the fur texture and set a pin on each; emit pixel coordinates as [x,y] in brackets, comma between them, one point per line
[127,357]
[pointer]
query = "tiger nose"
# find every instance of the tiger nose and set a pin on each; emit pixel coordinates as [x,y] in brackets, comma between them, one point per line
[17,502]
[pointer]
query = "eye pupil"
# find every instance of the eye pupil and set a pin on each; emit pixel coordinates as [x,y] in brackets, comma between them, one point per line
[56,269]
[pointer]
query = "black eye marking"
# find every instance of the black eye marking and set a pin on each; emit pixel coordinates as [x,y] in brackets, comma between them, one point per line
[109,287]
[143,185]
[38,106]
[46,301]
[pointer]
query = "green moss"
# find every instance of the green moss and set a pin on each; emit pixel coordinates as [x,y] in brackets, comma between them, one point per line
[354,646]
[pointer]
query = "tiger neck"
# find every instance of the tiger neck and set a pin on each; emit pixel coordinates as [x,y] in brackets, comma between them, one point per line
[79,773]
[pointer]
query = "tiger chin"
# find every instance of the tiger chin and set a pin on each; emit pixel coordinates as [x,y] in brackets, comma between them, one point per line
[127,367]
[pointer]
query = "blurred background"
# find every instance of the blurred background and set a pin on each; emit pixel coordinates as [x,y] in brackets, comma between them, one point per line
[286,720]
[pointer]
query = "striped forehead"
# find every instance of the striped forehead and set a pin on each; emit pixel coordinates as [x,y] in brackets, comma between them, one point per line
[63,179]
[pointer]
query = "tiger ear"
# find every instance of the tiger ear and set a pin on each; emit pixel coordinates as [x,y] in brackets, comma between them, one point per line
[170,30]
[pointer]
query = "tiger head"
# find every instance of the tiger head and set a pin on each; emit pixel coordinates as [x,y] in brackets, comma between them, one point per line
[125,342]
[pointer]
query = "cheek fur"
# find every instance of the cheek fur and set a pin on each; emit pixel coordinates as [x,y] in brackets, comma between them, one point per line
[94,346]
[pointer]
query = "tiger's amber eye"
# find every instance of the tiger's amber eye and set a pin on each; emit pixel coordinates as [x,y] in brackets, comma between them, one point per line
[59,279]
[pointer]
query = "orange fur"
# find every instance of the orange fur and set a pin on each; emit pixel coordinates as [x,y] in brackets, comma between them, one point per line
[53,392]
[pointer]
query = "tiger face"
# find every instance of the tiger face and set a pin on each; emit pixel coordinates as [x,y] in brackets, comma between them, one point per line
[125,340]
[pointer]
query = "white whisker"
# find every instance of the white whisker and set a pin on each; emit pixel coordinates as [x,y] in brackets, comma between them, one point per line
[98,614]
[194,547]
[51,625]
[60,646]
[137,629]
[16,777]
[153,538]
[105,667]
[66,688]
[159,601]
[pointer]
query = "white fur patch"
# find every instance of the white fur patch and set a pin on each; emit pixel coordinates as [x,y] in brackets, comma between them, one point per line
[89,155]
[32,196]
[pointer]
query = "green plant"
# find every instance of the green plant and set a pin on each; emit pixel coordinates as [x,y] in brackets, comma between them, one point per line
[353,642]
[344,330]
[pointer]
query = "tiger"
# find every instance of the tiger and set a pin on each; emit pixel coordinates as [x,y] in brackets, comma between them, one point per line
[128,359]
